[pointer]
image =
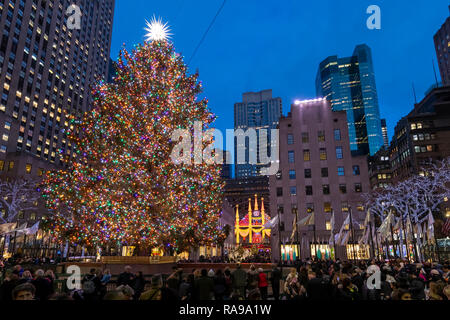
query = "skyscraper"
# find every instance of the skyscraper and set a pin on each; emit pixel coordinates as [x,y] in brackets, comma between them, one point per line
[349,84]
[47,68]
[318,176]
[384,130]
[258,111]
[442,44]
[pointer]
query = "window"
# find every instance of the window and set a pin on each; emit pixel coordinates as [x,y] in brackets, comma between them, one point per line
[293,191]
[360,207]
[292,175]
[8,125]
[341,171]
[344,206]
[309,190]
[279,192]
[2,165]
[40,172]
[321,136]
[28,168]
[308,174]
[327,207]
[291,156]
[310,207]
[11,165]
[5,137]
[3,149]
[305,137]
[324,172]
[358,187]
[306,155]
[323,154]
[328,225]
[343,188]
[337,135]
[356,171]
[290,139]
[326,189]
[339,153]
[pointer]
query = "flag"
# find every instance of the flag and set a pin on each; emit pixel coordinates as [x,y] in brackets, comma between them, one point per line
[430,230]
[446,227]
[410,230]
[7,228]
[332,222]
[365,238]
[346,223]
[368,219]
[308,221]
[384,228]
[331,240]
[398,225]
[272,223]
[66,249]
[345,238]
[33,230]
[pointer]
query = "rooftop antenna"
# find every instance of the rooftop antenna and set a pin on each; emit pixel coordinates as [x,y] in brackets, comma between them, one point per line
[414,92]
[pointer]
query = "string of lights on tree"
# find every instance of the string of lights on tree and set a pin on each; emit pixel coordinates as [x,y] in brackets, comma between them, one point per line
[122,186]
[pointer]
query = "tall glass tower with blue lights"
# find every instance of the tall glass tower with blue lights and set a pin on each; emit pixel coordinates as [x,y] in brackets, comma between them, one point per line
[349,84]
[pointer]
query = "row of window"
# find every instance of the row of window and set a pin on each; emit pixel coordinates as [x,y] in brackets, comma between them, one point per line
[320,137]
[322,154]
[325,189]
[423,149]
[326,205]
[28,167]
[324,173]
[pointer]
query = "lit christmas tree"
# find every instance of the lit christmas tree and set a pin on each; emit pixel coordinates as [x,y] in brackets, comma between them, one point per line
[122,186]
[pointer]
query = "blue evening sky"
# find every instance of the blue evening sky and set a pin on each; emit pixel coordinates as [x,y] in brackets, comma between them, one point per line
[266,44]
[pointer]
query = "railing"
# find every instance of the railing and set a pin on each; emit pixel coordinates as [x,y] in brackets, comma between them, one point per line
[137,260]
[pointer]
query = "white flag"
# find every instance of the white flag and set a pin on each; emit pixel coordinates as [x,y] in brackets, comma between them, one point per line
[272,223]
[7,228]
[430,230]
[345,238]
[33,230]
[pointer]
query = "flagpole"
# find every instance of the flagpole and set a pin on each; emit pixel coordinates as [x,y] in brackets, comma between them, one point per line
[279,240]
[406,237]
[372,246]
[352,233]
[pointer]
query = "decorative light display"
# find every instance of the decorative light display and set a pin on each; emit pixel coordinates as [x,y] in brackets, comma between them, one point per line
[122,186]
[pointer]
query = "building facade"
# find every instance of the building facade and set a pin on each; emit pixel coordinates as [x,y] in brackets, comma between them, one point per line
[384,131]
[380,171]
[442,45]
[422,135]
[238,191]
[257,111]
[349,84]
[318,175]
[46,72]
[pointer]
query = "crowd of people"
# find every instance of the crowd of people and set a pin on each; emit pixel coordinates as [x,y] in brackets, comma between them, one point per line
[309,280]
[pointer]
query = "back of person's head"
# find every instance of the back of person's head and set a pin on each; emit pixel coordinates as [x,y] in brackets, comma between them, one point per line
[127,268]
[39,273]
[25,291]
[204,273]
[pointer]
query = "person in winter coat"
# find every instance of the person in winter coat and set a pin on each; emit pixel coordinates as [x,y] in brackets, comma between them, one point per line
[262,284]
[240,281]
[416,287]
[219,285]
[275,281]
[204,286]
[43,286]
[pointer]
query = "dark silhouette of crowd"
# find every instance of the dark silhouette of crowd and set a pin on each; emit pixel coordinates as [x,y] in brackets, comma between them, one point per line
[309,280]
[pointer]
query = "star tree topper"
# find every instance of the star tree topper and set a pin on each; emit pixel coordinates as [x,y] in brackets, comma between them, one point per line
[157,30]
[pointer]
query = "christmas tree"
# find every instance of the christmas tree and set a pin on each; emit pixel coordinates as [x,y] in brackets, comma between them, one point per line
[121,185]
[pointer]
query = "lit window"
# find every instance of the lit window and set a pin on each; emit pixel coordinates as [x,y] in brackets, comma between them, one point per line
[292,174]
[321,136]
[291,156]
[28,168]
[341,171]
[328,225]
[290,139]
[306,155]
[293,191]
[323,154]
[339,153]
[327,207]
[5,137]
[337,135]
